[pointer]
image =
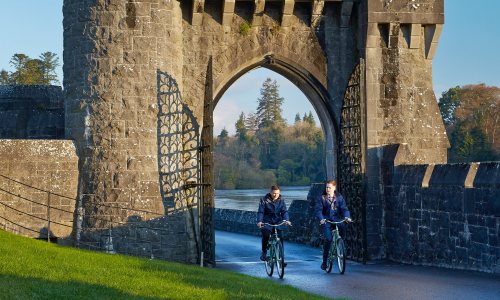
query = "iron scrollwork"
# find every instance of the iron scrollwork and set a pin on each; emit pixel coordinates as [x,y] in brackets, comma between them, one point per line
[351,162]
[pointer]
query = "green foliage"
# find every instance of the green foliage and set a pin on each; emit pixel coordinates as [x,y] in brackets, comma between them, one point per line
[223,136]
[471,116]
[31,269]
[241,130]
[265,150]
[30,71]
[297,118]
[245,27]
[269,111]
[448,104]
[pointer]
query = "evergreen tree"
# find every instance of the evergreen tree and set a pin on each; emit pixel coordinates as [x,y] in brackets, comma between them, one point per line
[297,118]
[49,63]
[241,130]
[4,77]
[269,111]
[31,71]
[223,137]
[251,123]
[310,119]
[270,123]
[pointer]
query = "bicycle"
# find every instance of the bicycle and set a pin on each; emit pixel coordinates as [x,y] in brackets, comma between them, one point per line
[275,253]
[337,249]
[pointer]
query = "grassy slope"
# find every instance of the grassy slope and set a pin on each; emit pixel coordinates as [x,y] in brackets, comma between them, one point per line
[31,269]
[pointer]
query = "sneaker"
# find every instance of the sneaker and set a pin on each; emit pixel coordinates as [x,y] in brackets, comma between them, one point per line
[263,256]
[284,264]
[323,266]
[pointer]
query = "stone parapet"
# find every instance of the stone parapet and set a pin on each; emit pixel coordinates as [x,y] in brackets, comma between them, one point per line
[443,220]
[304,229]
[35,174]
[31,112]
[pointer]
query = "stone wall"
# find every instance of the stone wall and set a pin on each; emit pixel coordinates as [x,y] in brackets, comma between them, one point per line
[401,108]
[444,215]
[113,50]
[34,173]
[304,229]
[31,112]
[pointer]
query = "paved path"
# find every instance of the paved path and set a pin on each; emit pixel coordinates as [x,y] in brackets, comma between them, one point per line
[378,280]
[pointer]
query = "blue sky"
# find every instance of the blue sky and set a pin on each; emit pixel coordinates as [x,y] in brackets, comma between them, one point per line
[467,52]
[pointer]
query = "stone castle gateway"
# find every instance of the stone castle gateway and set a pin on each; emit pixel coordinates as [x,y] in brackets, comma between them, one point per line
[142,78]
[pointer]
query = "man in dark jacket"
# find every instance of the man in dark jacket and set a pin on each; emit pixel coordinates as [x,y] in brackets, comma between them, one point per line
[331,206]
[272,210]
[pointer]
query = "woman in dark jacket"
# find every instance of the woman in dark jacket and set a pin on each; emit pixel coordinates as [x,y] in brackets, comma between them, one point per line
[331,206]
[272,210]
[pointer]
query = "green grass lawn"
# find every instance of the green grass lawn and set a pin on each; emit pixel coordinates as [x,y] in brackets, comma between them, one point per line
[31,269]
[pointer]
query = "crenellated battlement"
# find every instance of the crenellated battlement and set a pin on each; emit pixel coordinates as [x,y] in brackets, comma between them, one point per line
[281,10]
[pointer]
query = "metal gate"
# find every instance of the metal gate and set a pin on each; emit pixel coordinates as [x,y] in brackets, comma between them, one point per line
[351,164]
[207,174]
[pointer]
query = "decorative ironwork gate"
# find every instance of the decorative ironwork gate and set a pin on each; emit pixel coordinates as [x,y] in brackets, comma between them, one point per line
[351,164]
[178,154]
[207,174]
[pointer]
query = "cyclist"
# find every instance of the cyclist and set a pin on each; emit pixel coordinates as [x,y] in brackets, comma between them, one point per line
[331,206]
[272,210]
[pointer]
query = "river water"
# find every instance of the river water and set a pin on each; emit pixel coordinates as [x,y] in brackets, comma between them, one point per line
[249,199]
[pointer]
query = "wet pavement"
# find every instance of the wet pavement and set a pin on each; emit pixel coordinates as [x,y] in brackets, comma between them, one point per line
[376,280]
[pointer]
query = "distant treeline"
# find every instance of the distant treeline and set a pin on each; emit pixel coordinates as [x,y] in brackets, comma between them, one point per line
[265,150]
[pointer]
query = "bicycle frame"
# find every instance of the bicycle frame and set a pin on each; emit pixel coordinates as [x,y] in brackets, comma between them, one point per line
[275,252]
[337,249]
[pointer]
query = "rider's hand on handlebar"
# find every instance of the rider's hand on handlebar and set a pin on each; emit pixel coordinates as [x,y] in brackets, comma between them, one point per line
[322,221]
[288,223]
[348,220]
[260,224]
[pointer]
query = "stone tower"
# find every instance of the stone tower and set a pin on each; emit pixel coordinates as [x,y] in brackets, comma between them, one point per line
[119,55]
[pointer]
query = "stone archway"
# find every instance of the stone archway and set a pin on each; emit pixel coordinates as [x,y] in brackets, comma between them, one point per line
[113,50]
[312,87]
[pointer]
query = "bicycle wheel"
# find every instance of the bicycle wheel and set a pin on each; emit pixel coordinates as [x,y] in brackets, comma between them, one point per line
[279,260]
[269,263]
[331,258]
[341,256]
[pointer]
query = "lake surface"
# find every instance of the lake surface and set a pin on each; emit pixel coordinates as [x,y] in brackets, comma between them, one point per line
[249,199]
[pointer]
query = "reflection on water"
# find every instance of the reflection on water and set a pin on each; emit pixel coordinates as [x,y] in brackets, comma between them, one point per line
[249,199]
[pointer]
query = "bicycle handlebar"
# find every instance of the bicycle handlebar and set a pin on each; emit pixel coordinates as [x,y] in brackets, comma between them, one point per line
[284,222]
[332,222]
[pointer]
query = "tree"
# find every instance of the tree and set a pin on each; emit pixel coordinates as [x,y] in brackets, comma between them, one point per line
[269,111]
[310,119]
[251,123]
[471,117]
[241,130]
[4,77]
[49,63]
[31,71]
[297,118]
[223,137]
[448,104]
[270,123]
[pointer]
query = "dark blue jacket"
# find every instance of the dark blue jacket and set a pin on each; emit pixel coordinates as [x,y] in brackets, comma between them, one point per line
[272,212]
[339,211]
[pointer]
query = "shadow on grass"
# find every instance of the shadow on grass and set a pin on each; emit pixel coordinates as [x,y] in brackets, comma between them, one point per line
[15,287]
